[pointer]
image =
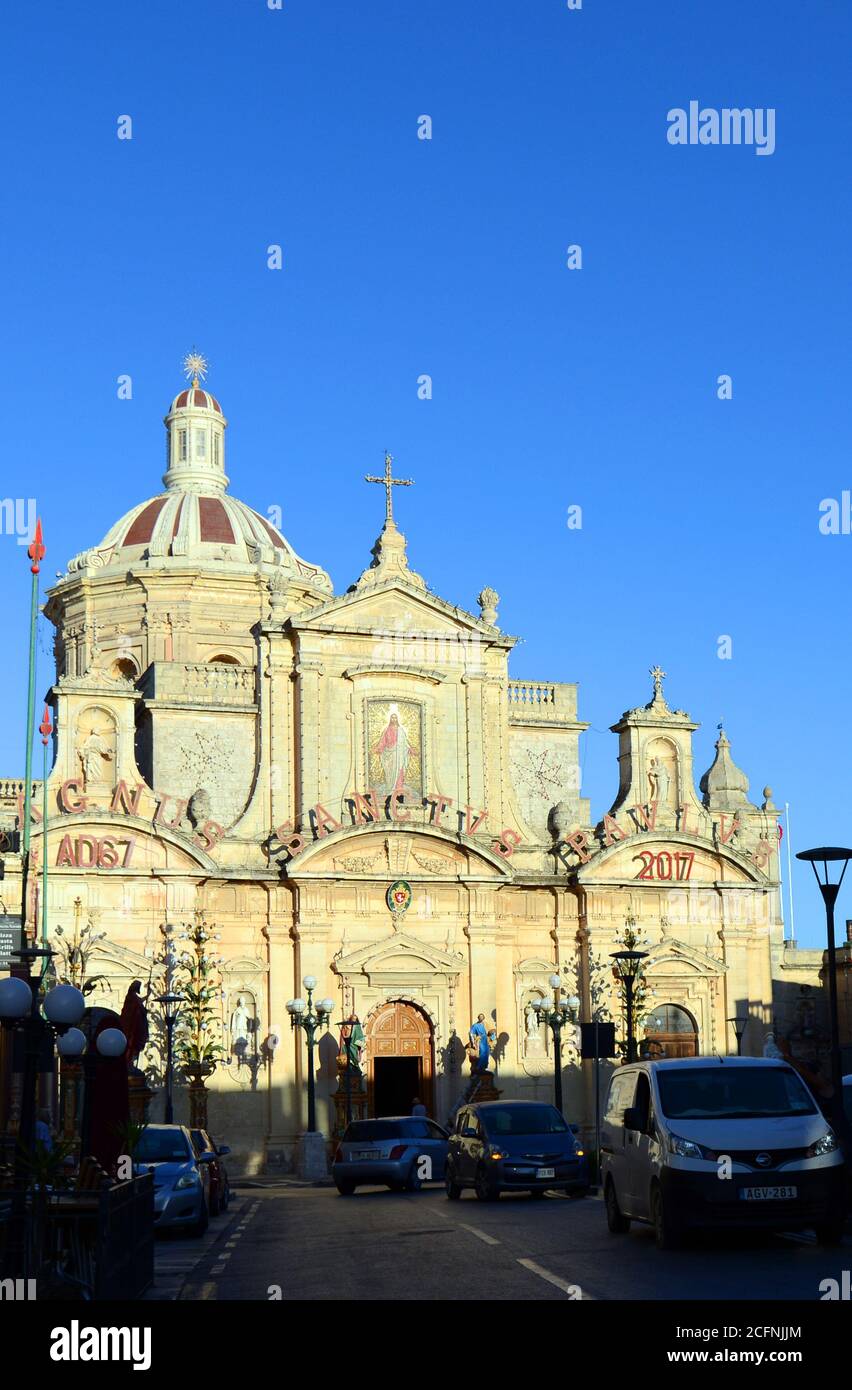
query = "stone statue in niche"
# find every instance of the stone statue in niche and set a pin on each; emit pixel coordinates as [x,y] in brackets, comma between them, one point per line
[660,780]
[95,746]
[533,1041]
[242,1029]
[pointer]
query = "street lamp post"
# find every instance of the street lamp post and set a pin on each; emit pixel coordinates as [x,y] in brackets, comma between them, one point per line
[826,856]
[562,1012]
[61,1008]
[628,965]
[170,1004]
[312,1018]
[739,1023]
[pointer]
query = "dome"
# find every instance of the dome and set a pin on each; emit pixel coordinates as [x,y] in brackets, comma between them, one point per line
[724,785]
[193,526]
[195,396]
[195,520]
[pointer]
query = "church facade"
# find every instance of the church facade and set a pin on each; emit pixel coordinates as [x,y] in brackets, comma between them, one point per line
[233,738]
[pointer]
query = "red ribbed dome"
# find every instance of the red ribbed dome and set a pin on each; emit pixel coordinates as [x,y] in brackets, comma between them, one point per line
[195,396]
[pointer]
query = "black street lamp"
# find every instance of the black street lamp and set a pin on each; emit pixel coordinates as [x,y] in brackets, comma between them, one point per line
[170,1004]
[557,1017]
[825,856]
[739,1023]
[39,1026]
[312,1018]
[628,965]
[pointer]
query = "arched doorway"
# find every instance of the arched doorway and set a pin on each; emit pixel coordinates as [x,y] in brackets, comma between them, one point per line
[670,1031]
[400,1062]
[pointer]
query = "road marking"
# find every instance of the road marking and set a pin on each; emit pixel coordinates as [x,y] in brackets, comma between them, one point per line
[480,1235]
[542,1273]
[207,1291]
[217,1269]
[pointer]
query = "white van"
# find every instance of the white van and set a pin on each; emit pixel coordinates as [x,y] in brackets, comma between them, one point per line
[719,1141]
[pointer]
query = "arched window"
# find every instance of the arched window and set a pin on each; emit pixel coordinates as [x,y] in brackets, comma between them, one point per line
[670,1031]
[222,660]
[124,669]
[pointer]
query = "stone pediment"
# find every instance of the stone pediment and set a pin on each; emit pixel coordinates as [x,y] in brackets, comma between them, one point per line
[398,956]
[395,607]
[677,954]
[389,851]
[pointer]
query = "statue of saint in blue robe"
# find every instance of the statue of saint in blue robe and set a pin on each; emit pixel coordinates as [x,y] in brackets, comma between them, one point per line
[479,1040]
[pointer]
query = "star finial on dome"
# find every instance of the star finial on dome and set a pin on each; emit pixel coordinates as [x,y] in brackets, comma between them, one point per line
[195,365]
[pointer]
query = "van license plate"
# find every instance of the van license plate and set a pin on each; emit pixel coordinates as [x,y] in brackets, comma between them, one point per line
[768,1194]
[545,1172]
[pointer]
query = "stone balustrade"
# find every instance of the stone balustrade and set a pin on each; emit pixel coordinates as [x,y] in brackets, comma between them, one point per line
[542,702]
[200,683]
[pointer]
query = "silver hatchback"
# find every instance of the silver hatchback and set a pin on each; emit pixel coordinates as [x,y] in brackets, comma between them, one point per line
[399,1151]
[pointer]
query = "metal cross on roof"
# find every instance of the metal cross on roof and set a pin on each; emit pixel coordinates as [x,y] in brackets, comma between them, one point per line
[388,482]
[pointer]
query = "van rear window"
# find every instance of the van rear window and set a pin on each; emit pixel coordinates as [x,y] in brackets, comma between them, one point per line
[732,1093]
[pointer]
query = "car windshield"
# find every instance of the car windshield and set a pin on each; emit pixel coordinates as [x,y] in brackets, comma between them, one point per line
[162,1146]
[369,1131]
[732,1093]
[523,1119]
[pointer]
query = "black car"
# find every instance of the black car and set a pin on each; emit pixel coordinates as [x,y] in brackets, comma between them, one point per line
[220,1187]
[514,1146]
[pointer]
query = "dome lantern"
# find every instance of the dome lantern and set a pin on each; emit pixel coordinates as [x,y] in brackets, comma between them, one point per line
[195,459]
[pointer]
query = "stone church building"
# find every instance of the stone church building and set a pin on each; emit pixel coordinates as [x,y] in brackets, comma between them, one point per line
[235,738]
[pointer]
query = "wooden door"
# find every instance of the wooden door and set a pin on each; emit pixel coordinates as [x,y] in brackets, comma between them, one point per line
[399,1029]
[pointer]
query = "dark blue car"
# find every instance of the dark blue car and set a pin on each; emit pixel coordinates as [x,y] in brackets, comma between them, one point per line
[514,1146]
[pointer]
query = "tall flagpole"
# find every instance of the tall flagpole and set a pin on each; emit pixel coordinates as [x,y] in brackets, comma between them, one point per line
[45,728]
[36,555]
[790,871]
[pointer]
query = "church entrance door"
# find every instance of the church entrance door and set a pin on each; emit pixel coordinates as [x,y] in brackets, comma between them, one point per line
[670,1032]
[400,1063]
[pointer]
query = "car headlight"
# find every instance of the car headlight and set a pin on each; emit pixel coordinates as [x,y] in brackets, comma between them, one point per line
[685,1148]
[496,1153]
[187,1180]
[826,1144]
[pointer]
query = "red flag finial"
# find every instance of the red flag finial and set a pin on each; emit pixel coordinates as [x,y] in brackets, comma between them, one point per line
[36,550]
[45,728]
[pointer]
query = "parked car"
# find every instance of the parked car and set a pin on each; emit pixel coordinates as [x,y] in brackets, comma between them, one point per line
[389,1152]
[181,1177]
[514,1146]
[220,1187]
[669,1125]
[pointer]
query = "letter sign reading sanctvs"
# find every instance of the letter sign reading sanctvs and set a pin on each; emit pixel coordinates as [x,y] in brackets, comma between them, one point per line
[666,865]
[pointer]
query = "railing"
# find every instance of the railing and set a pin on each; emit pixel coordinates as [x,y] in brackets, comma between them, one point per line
[200,682]
[541,701]
[95,1244]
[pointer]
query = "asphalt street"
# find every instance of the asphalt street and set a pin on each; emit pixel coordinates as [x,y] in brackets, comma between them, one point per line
[307,1243]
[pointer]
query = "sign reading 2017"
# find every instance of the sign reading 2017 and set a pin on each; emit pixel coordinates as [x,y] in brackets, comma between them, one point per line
[665,865]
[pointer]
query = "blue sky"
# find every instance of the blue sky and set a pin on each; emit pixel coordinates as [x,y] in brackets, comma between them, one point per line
[551,387]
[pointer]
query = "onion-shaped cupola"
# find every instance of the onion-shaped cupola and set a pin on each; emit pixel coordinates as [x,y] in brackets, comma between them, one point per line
[724,786]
